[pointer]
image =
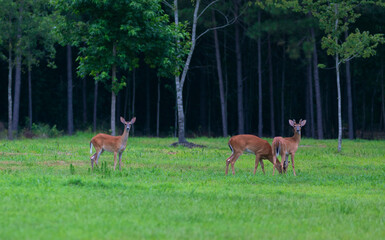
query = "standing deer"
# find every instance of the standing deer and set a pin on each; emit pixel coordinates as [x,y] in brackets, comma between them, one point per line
[285,146]
[252,144]
[115,144]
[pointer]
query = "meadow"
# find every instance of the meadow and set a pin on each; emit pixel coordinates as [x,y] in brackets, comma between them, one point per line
[47,191]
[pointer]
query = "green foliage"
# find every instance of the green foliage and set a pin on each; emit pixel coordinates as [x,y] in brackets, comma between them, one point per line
[104,171]
[133,28]
[361,44]
[7,27]
[72,169]
[284,27]
[44,130]
[164,192]
[334,18]
[28,27]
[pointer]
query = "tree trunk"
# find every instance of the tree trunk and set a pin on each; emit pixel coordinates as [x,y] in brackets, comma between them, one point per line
[260,123]
[372,114]
[176,117]
[222,92]
[70,117]
[307,101]
[158,109]
[220,78]
[117,109]
[113,95]
[179,82]
[363,114]
[338,88]
[283,93]
[126,99]
[226,75]
[16,98]
[133,99]
[148,108]
[84,98]
[179,97]
[382,93]
[349,95]
[95,105]
[310,102]
[203,103]
[29,96]
[241,121]
[317,88]
[10,68]
[272,118]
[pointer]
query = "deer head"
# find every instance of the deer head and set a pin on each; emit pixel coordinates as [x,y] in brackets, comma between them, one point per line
[297,126]
[127,125]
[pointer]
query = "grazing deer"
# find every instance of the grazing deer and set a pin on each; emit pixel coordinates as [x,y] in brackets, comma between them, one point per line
[115,144]
[252,144]
[285,146]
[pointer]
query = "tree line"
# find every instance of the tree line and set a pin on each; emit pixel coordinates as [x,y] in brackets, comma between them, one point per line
[188,68]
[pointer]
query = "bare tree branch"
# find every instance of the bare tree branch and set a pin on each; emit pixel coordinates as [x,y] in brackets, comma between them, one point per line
[204,10]
[167,4]
[350,58]
[193,41]
[219,27]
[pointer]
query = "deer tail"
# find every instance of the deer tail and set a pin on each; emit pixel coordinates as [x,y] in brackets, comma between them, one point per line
[277,147]
[231,148]
[90,147]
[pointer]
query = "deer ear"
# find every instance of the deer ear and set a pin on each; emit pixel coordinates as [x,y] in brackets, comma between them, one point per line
[291,123]
[302,123]
[133,120]
[122,120]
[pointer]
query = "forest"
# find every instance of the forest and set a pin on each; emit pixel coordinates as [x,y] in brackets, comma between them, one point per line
[193,68]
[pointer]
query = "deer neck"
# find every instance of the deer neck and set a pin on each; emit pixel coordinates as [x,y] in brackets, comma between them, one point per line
[125,136]
[297,137]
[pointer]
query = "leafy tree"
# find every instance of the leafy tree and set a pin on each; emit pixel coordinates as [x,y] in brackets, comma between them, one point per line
[116,33]
[7,42]
[334,18]
[27,28]
[181,77]
[69,30]
[38,42]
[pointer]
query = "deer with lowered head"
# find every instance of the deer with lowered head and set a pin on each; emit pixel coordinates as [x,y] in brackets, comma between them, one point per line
[249,143]
[287,146]
[115,144]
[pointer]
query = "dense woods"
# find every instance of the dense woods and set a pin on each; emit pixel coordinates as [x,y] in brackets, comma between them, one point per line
[216,68]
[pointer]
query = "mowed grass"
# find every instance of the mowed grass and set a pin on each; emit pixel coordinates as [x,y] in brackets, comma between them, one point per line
[47,191]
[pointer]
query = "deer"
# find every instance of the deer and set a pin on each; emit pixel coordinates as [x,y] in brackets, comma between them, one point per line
[115,144]
[287,146]
[252,144]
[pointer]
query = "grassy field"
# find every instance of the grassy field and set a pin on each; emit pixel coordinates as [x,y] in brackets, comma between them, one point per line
[47,191]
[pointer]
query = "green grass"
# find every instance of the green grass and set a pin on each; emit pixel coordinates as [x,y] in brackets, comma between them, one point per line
[48,191]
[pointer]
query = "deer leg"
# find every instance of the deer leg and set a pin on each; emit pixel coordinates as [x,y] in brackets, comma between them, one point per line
[236,156]
[228,162]
[282,161]
[256,163]
[286,162]
[292,163]
[93,157]
[274,162]
[120,160]
[262,166]
[98,156]
[115,153]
